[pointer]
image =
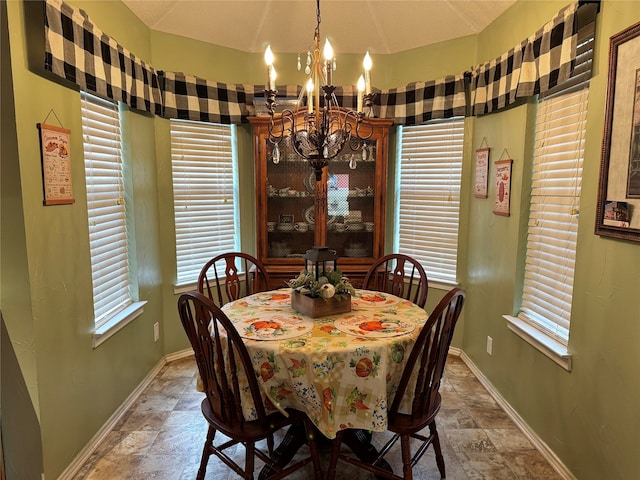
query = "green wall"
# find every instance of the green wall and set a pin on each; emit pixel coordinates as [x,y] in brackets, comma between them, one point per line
[589,416]
[53,380]
[46,279]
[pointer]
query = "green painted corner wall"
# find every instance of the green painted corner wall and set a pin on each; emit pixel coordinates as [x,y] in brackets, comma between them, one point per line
[72,387]
[588,416]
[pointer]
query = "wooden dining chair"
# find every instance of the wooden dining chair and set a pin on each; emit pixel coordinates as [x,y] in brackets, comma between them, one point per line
[221,356]
[400,275]
[232,275]
[427,361]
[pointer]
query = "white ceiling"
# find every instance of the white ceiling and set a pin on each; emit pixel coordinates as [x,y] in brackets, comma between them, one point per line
[352,26]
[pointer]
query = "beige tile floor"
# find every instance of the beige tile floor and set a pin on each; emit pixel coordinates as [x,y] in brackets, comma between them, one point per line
[162,435]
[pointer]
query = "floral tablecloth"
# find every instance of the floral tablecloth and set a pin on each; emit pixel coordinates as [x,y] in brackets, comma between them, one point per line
[341,370]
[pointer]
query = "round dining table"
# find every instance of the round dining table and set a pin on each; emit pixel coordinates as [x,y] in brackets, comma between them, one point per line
[341,370]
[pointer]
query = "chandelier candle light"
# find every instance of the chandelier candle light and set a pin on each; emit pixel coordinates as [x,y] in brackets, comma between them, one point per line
[320,133]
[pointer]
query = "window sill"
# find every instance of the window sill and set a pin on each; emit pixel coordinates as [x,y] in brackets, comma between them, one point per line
[442,285]
[117,322]
[184,287]
[549,347]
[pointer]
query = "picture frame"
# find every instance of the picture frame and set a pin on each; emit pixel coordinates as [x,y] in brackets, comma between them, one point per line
[619,181]
[286,218]
[55,153]
[482,173]
[502,202]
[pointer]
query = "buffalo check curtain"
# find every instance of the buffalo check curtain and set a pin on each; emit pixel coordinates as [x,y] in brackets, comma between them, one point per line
[77,50]
[420,102]
[543,61]
[188,97]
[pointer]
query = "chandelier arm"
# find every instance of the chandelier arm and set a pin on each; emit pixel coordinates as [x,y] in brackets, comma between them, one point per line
[286,126]
[359,130]
[355,144]
[274,138]
[320,132]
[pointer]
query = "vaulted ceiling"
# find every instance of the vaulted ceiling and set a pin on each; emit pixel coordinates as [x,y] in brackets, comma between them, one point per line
[352,26]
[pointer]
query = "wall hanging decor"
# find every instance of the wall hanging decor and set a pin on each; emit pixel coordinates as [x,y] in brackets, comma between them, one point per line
[482,170]
[56,164]
[619,190]
[503,187]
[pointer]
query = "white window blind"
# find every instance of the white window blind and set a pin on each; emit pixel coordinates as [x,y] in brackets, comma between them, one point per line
[429,195]
[204,194]
[553,217]
[106,208]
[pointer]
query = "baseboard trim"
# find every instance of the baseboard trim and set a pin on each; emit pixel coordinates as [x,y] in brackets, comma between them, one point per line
[172,357]
[77,463]
[548,454]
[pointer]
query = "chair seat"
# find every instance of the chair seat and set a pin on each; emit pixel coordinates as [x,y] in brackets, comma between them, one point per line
[407,423]
[254,429]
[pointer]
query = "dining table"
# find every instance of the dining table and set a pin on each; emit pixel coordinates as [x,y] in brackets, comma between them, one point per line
[342,370]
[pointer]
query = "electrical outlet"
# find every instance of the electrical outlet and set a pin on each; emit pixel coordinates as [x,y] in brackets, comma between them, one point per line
[490,345]
[156,332]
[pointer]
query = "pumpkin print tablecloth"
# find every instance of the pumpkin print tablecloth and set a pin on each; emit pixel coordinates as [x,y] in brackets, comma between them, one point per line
[343,371]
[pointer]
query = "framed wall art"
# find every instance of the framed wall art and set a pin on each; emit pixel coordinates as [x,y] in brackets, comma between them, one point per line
[482,173]
[618,207]
[56,164]
[503,188]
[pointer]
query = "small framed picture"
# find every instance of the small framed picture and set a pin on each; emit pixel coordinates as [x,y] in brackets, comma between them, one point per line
[482,173]
[503,187]
[617,214]
[286,218]
[56,164]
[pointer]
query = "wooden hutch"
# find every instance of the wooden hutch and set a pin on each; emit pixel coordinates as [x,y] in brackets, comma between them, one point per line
[344,210]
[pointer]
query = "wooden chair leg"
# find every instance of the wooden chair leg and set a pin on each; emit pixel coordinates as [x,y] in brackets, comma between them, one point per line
[249,462]
[206,453]
[405,445]
[313,448]
[335,452]
[437,449]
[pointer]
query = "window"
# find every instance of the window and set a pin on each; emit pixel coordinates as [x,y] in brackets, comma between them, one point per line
[545,310]
[553,217]
[428,188]
[204,194]
[106,206]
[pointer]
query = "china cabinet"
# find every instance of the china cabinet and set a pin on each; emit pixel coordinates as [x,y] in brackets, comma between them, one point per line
[344,210]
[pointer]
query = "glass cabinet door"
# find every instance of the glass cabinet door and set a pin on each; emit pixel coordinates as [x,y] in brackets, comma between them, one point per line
[351,181]
[290,205]
[344,210]
[291,222]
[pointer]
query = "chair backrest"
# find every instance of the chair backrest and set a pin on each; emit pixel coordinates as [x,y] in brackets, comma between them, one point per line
[222,280]
[429,355]
[221,357]
[399,275]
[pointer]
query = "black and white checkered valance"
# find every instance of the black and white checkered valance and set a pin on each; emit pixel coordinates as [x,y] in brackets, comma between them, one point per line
[189,97]
[192,98]
[542,61]
[420,102]
[78,51]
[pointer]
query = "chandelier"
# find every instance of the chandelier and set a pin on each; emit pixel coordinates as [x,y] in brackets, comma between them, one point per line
[321,131]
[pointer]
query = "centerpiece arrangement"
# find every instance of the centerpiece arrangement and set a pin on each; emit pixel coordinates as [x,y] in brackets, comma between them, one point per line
[318,291]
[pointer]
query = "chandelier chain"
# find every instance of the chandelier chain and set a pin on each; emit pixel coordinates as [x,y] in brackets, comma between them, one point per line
[317,35]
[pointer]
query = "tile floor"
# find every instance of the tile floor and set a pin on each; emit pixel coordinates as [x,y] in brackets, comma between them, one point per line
[162,435]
